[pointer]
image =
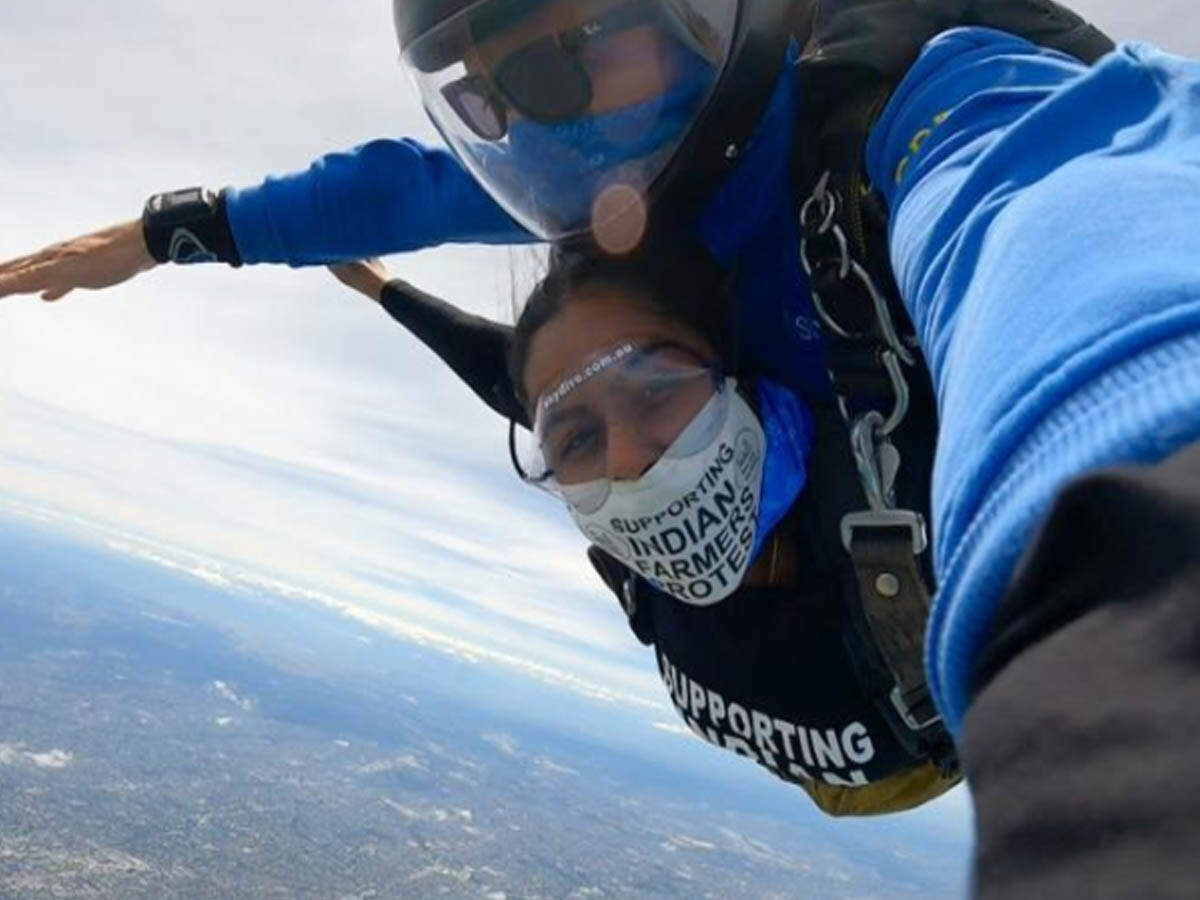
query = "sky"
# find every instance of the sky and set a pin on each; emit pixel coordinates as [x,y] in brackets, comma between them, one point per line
[266,419]
[265,425]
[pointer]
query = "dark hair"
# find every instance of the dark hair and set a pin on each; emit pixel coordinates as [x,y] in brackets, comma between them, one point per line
[674,277]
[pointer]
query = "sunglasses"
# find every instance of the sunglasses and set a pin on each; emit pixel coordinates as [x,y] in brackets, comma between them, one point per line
[544,80]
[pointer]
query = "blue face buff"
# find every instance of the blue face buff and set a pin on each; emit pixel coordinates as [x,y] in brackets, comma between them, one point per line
[788,427]
[566,164]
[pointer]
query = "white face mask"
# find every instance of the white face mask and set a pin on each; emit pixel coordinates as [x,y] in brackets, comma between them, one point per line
[688,524]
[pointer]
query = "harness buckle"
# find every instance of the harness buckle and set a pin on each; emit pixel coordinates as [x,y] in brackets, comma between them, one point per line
[908,716]
[886,518]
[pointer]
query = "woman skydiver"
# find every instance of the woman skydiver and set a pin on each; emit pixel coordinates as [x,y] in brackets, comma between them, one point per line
[689,474]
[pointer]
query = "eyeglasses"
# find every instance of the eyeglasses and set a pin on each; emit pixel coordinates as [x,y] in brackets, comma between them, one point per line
[663,397]
[543,80]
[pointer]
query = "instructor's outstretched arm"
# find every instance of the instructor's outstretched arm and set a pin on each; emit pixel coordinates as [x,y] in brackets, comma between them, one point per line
[385,196]
[91,261]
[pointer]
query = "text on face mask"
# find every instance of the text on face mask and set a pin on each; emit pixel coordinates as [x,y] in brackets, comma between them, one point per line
[697,546]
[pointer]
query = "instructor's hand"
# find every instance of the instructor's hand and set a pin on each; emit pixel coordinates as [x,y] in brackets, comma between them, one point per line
[367,277]
[93,261]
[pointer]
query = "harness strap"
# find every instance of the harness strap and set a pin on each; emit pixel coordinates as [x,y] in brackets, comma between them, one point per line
[896,603]
[872,357]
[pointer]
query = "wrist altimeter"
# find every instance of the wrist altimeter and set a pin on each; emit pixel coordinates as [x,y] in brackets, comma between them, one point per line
[189,226]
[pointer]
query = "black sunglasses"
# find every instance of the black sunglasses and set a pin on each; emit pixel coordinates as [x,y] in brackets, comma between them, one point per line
[544,80]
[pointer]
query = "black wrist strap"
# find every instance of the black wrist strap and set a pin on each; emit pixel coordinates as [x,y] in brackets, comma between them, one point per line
[189,226]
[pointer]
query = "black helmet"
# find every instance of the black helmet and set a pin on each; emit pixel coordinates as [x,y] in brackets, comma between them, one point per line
[578,114]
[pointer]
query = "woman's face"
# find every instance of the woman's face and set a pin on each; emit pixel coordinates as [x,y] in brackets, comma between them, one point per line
[595,320]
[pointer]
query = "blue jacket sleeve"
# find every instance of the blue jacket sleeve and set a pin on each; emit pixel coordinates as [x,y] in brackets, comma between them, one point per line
[1045,235]
[385,196]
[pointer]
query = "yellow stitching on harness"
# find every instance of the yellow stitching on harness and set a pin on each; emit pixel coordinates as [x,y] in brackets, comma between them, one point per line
[918,140]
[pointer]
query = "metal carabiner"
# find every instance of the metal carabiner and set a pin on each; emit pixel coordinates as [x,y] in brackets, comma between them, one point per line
[883,315]
[829,204]
[900,388]
[866,458]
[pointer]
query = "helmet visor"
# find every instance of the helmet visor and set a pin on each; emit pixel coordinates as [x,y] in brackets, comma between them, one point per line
[617,416]
[566,111]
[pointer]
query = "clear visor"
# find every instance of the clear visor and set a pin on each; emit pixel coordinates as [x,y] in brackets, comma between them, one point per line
[567,110]
[616,417]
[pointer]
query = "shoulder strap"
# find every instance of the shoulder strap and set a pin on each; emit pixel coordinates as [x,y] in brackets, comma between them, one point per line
[876,479]
[885,36]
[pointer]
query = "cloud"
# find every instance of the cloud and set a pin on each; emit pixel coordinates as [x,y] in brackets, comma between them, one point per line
[405,811]
[675,728]
[683,842]
[404,761]
[546,765]
[225,692]
[405,558]
[1170,23]
[16,754]
[505,743]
